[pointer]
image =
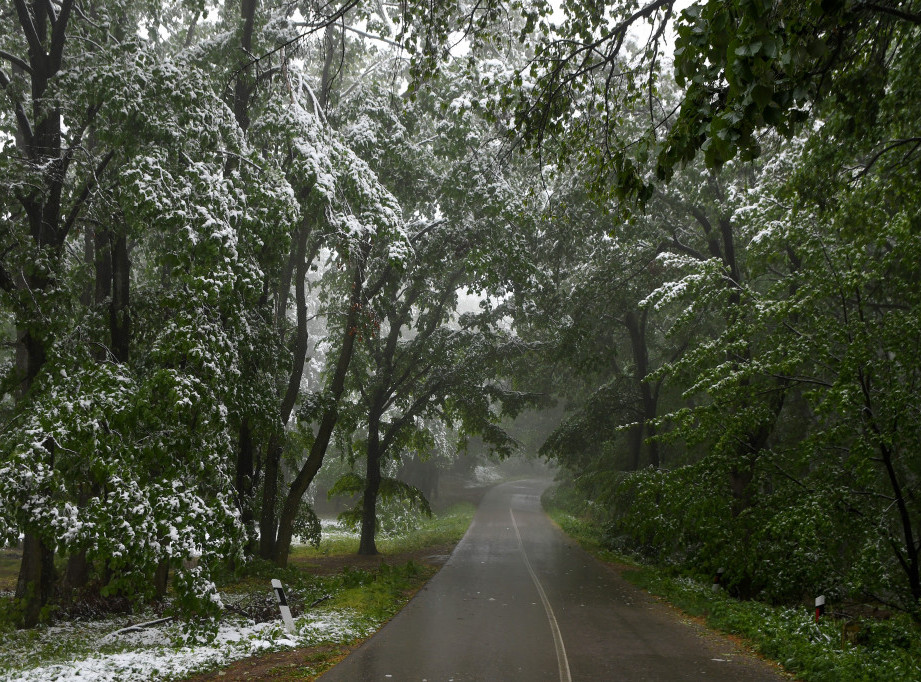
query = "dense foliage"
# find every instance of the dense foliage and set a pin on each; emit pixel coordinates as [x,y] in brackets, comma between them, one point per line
[755,320]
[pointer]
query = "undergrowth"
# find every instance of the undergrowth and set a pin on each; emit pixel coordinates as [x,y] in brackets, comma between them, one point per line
[329,611]
[875,650]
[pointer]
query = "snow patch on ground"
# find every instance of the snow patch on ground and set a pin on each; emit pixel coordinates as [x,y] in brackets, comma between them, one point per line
[148,654]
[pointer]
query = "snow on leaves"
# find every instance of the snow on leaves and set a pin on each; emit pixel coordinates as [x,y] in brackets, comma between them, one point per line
[325,171]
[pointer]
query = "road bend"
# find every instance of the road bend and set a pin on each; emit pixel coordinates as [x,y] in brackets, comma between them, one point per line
[517,600]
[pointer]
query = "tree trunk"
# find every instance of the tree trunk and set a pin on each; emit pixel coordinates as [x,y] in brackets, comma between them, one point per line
[161,579]
[245,474]
[119,312]
[35,584]
[77,573]
[37,577]
[634,447]
[367,544]
[268,527]
[243,88]
[636,327]
[39,142]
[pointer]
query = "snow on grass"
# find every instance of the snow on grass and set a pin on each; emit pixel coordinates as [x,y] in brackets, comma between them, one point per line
[334,529]
[486,475]
[86,653]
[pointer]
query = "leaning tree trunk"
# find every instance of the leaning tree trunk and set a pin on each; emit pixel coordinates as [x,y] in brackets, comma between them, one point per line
[309,469]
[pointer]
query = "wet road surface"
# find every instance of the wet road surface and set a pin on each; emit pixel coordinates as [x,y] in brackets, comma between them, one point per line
[518,601]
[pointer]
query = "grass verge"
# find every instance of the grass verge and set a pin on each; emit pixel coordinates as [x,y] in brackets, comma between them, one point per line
[834,650]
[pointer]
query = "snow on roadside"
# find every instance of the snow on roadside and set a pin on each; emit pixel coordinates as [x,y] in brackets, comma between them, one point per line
[151,656]
[485,474]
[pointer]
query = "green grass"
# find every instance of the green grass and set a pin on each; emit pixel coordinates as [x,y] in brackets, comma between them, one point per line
[380,593]
[587,535]
[9,568]
[446,528]
[887,650]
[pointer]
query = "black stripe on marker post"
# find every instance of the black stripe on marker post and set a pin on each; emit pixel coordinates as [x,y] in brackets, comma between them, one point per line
[283,605]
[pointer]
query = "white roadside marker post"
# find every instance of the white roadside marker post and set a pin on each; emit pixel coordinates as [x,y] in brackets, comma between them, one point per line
[718,579]
[819,607]
[283,605]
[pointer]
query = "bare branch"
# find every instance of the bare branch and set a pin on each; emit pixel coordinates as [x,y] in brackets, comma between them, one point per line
[58,35]
[910,17]
[13,59]
[894,144]
[84,195]
[313,28]
[28,28]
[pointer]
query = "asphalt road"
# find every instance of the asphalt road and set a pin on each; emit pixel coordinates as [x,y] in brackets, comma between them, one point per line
[517,600]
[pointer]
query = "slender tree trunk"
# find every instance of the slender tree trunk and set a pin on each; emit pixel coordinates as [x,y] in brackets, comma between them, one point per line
[327,423]
[245,473]
[119,311]
[243,87]
[161,579]
[268,525]
[634,447]
[907,558]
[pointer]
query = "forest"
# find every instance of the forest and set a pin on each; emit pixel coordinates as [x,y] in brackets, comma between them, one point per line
[242,239]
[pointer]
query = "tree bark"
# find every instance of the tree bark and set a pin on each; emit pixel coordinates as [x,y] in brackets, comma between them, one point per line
[636,327]
[267,524]
[367,545]
[40,142]
[245,473]
[37,577]
[243,87]
[161,579]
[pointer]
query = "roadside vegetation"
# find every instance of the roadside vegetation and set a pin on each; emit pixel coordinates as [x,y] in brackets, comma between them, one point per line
[842,646]
[336,601]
